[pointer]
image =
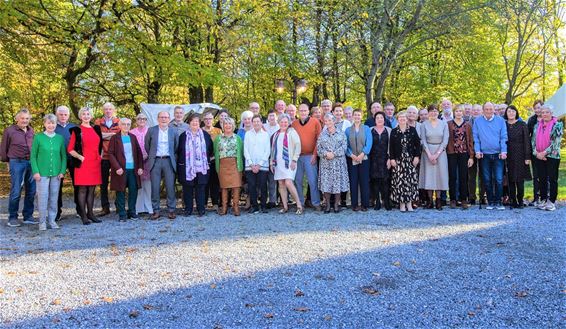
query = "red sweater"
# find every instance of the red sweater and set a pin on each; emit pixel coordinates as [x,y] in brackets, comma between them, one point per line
[308,133]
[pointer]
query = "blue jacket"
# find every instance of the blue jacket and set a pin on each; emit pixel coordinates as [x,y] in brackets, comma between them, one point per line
[490,136]
[367,144]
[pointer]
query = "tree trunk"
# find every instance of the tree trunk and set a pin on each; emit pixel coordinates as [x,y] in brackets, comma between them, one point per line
[196,94]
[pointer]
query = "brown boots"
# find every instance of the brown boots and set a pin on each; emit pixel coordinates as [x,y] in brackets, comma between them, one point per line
[223,209]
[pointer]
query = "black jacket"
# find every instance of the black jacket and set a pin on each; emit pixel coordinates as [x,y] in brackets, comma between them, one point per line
[181,159]
[395,148]
[74,162]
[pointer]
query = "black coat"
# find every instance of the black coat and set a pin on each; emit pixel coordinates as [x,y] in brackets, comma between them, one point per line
[200,179]
[74,162]
[395,148]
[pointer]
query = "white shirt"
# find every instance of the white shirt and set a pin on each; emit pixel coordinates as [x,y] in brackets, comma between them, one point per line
[270,129]
[257,149]
[163,143]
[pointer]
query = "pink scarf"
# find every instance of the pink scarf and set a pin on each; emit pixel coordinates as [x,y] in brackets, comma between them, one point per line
[140,136]
[543,134]
[195,148]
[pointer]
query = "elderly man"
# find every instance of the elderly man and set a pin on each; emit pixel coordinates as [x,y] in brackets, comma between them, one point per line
[446,107]
[326,107]
[292,112]
[308,130]
[531,122]
[280,107]
[63,129]
[473,176]
[374,108]
[254,108]
[177,123]
[490,144]
[389,110]
[109,126]
[160,145]
[16,150]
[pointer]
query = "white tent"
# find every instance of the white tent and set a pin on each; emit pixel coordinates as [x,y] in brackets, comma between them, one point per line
[151,110]
[558,101]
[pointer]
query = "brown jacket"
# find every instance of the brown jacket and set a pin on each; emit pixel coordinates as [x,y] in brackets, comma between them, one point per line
[469,138]
[117,160]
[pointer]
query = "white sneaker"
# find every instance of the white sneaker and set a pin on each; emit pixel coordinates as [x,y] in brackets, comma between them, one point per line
[500,207]
[542,205]
[550,206]
[53,225]
[42,226]
[489,207]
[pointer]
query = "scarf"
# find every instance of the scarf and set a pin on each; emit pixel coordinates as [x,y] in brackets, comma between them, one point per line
[285,149]
[195,154]
[543,134]
[357,140]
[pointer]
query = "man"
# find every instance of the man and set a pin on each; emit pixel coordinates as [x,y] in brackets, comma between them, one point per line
[473,176]
[257,149]
[531,122]
[446,107]
[389,110]
[490,144]
[308,130]
[160,145]
[292,112]
[177,123]
[467,111]
[271,127]
[326,107]
[254,108]
[63,129]
[280,107]
[374,108]
[109,126]
[16,150]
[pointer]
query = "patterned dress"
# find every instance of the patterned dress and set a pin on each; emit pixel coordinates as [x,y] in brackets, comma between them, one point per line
[333,177]
[404,181]
[518,150]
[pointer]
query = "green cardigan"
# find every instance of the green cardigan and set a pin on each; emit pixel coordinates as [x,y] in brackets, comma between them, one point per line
[48,155]
[553,151]
[239,152]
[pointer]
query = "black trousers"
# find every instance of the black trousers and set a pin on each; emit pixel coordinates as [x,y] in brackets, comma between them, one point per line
[516,192]
[536,188]
[104,187]
[212,189]
[458,176]
[257,182]
[381,189]
[548,178]
[75,194]
[195,191]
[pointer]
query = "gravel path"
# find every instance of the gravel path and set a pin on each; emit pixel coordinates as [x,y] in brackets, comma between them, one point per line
[454,268]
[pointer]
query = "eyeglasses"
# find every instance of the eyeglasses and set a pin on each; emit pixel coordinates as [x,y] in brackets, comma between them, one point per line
[142,119]
[207,119]
[163,117]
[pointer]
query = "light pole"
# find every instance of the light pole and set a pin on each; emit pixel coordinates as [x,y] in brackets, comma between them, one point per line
[299,87]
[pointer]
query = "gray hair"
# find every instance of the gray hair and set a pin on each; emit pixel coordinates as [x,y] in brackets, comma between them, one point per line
[50,117]
[229,121]
[23,111]
[108,105]
[62,109]
[330,116]
[247,114]
[412,108]
[547,107]
[327,102]
[83,110]
[125,120]
[283,116]
[141,116]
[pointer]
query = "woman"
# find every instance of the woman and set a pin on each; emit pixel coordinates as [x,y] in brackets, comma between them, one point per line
[518,156]
[193,164]
[460,151]
[338,113]
[359,146]
[331,148]
[85,148]
[126,161]
[143,201]
[404,152]
[246,126]
[229,162]
[285,151]
[48,164]
[212,189]
[256,155]
[434,168]
[316,113]
[379,161]
[547,135]
[222,115]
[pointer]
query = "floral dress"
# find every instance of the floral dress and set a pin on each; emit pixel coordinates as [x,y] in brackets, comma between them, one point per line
[405,178]
[333,176]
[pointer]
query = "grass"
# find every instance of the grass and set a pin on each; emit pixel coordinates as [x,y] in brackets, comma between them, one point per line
[5,180]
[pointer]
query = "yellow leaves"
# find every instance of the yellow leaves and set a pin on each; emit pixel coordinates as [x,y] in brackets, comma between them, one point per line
[56,302]
[107,299]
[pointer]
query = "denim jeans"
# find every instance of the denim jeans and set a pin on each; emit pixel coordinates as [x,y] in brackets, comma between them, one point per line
[304,167]
[492,172]
[21,176]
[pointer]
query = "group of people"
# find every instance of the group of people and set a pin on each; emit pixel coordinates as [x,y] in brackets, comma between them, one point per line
[407,159]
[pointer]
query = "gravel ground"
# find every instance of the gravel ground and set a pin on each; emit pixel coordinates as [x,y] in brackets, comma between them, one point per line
[431,269]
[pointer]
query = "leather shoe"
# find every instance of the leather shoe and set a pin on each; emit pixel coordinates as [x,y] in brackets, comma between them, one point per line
[171,215]
[154,216]
[105,211]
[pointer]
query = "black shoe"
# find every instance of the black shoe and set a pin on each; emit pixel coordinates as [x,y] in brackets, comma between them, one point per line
[187,213]
[122,218]
[472,202]
[264,210]
[201,213]
[253,210]
[270,205]
[133,216]
[58,217]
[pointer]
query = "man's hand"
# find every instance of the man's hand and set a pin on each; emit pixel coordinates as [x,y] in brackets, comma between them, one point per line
[479,155]
[503,156]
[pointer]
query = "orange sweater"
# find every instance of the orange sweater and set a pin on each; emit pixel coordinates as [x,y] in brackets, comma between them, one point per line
[308,133]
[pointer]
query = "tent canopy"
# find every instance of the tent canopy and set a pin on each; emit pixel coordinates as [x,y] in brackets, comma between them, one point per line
[151,110]
[558,101]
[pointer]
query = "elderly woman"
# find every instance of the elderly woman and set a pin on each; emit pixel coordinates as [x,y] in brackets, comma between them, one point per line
[85,148]
[229,162]
[48,164]
[518,156]
[246,125]
[434,168]
[379,161]
[359,146]
[404,152]
[256,154]
[194,152]
[547,135]
[126,161]
[460,151]
[285,152]
[143,200]
[331,148]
